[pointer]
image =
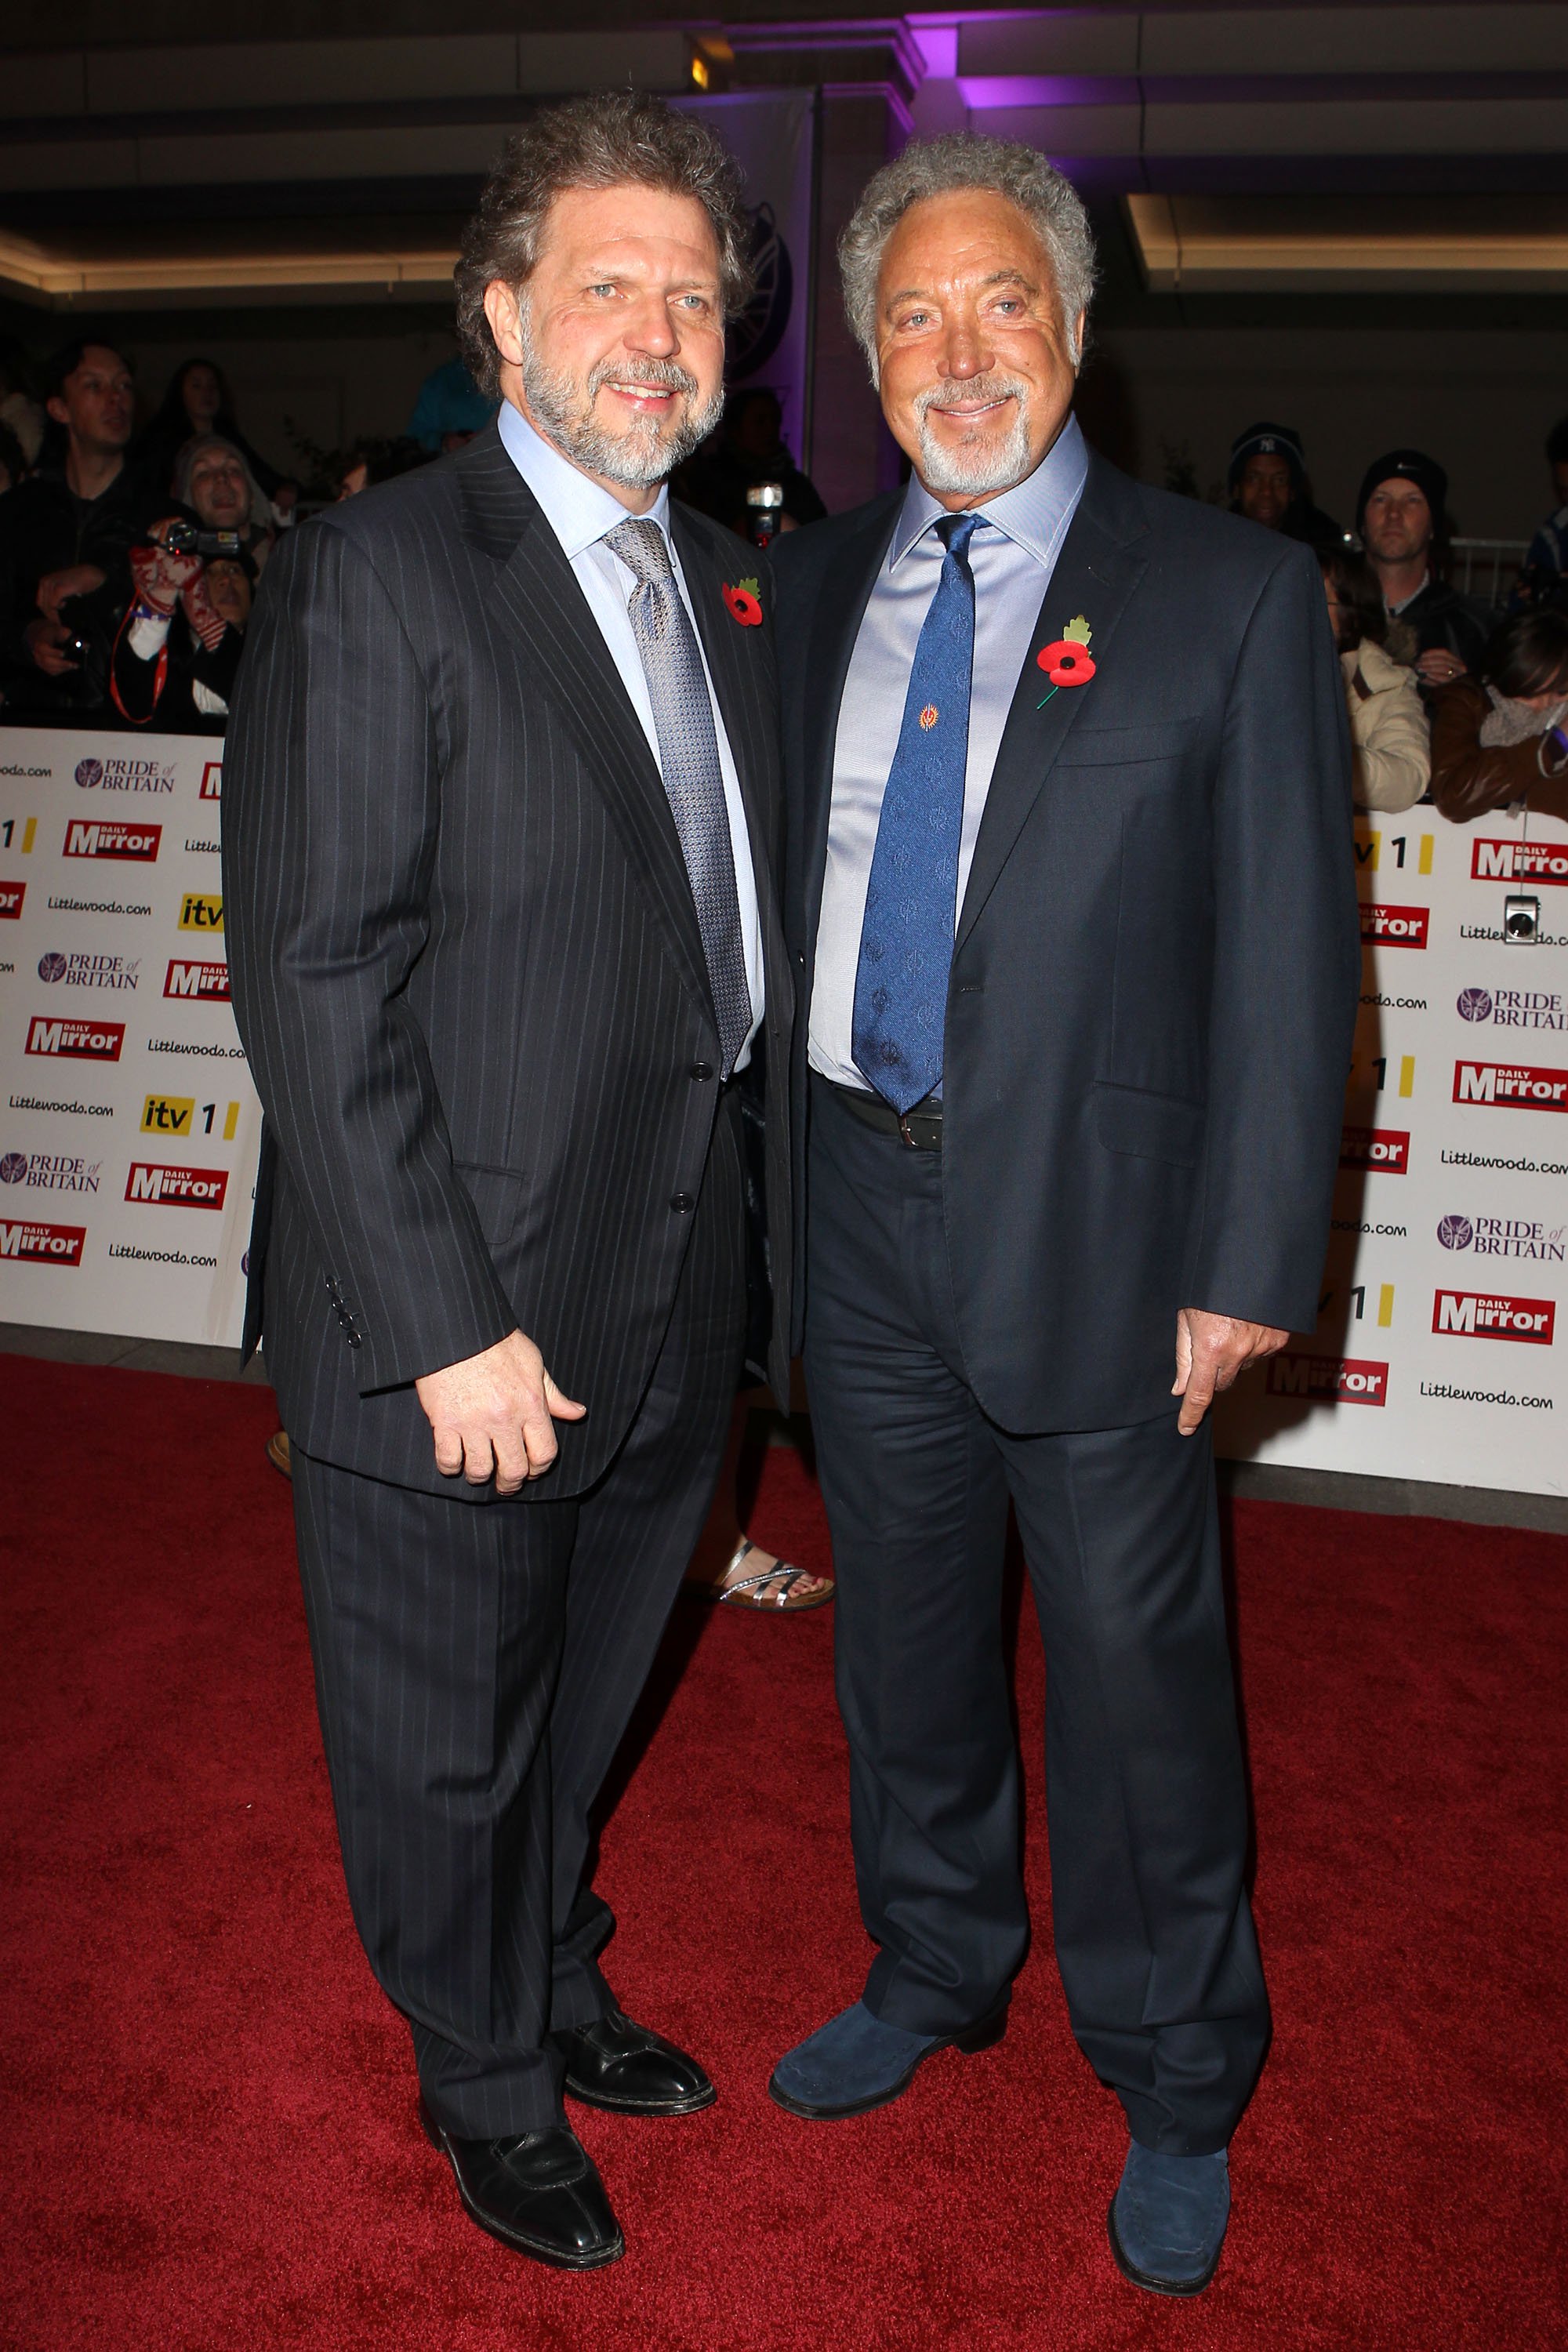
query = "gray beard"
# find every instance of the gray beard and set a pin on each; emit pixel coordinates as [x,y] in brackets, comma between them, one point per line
[645,454]
[985,465]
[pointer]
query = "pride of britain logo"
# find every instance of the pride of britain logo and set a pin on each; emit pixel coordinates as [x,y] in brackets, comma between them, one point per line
[88,773]
[13,1167]
[52,967]
[1456,1233]
[1475,1005]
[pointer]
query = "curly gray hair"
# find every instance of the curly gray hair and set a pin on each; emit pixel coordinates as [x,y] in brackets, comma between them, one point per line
[603,141]
[936,167]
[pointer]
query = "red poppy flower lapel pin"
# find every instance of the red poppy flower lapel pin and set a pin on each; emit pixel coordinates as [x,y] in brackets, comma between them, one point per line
[743,603]
[1066,661]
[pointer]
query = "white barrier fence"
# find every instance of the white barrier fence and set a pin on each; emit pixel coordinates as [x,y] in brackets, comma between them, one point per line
[128,1140]
[131,1128]
[1437,1354]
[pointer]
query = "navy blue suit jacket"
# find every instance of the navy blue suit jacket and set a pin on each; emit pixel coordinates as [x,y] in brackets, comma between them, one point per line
[1157,962]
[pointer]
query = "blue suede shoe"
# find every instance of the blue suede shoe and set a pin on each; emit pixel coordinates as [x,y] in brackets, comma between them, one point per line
[855,2063]
[1168,2219]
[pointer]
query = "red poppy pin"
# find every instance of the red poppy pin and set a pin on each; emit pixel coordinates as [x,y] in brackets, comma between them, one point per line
[1066,661]
[745,603]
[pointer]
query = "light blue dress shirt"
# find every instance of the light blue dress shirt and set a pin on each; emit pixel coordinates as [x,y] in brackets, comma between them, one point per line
[1012,557]
[580,511]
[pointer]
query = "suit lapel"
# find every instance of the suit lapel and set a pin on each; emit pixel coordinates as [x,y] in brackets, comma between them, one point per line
[835,625]
[1096,572]
[564,657]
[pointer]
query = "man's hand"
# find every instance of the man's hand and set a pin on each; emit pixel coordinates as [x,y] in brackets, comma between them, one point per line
[1210,1351]
[76,580]
[491,1414]
[1439,668]
[45,641]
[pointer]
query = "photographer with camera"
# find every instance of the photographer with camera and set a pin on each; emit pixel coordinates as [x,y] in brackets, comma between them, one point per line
[212,481]
[178,646]
[64,537]
[1503,737]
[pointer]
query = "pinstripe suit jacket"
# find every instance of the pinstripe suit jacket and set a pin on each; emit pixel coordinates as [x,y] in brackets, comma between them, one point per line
[466,967]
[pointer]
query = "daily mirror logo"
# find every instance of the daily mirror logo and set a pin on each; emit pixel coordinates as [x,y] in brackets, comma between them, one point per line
[1327,1380]
[1510,1085]
[1482,1315]
[1384,1149]
[1393,927]
[11,897]
[207,983]
[1519,861]
[212,782]
[84,1041]
[37,1245]
[176,1188]
[104,837]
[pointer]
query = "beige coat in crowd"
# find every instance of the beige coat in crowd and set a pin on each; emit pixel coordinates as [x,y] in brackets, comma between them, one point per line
[1388,730]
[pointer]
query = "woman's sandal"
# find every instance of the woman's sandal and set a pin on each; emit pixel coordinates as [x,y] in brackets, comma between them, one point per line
[753,1591]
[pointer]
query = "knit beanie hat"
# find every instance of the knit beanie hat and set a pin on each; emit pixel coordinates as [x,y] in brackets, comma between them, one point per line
[1405,466]
[1267,441]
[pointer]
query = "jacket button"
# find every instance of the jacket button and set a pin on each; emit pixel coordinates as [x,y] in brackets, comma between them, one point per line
[700,1070]
[681,1201]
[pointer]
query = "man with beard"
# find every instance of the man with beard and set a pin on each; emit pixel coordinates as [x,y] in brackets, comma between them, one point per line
[502,795]
[1070,887]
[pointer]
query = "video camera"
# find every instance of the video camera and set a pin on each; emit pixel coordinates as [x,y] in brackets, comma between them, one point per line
[183,537]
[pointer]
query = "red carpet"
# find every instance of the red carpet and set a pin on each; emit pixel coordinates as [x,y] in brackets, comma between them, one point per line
[211,2133]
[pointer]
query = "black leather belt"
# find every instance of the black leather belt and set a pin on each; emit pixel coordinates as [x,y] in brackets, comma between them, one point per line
[921,1129]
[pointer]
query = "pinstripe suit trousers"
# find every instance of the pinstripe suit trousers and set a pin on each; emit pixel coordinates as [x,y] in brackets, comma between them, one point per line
[475,1669]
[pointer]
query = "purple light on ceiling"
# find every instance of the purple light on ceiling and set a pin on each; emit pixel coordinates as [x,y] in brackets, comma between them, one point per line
[983,91]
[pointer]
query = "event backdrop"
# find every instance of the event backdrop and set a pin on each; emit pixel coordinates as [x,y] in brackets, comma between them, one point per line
[1437,1353]
[770,134]
[129,1142]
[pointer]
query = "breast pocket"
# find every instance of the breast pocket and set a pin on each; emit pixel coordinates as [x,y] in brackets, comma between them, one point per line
[1135,750]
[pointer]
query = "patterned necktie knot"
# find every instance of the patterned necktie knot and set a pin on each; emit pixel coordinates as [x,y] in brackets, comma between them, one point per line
[956,531]
[640,544]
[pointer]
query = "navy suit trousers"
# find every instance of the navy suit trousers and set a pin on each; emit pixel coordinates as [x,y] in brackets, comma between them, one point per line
[1145,1786]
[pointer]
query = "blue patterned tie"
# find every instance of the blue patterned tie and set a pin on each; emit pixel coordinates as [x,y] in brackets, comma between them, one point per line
[912,899]
[689,762]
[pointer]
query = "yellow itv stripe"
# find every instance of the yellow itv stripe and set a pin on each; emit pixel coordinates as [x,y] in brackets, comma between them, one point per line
[231,1123]
[1408,1074]
[1385,1305]
[1423,865]
[28,830]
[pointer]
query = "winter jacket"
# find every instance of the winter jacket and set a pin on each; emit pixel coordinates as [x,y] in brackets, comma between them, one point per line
[1388,730]
[1470,777]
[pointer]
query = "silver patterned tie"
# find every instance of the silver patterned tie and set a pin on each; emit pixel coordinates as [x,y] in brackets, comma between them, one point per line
[689,759]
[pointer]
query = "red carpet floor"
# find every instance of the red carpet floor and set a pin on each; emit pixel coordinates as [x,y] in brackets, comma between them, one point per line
[210,2129]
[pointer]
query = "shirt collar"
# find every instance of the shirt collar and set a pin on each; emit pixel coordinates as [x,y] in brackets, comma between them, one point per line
[1404,602]
[578,509]
[1033,513]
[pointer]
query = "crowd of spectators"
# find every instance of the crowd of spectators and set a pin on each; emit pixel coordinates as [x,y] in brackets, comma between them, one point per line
[129,561]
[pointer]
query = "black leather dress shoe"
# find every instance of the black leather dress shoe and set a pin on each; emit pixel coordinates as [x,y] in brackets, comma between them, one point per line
[538,2191]
[616,2065]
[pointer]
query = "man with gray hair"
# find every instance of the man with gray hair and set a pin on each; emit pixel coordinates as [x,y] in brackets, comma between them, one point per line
[502,814]
[1071,900]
